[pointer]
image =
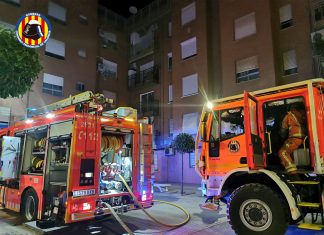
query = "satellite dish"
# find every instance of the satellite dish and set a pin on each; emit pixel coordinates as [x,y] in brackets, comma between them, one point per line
[133,10]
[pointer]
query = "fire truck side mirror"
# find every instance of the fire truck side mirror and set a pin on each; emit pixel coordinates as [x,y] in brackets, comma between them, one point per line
[203,128]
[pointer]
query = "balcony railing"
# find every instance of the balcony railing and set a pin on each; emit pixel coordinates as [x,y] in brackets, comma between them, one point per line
[149,108]
[151,75]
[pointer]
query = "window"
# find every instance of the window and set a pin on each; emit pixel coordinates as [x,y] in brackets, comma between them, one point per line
[147,102]
[108,69]
[110,95]
[55,48]
[232,123]
[247,69]
[170,61]
[108,39]
[188,13]
[82,53]
[188,48]
[245,26]
[146,70]
[171,126]
[83,19]
[190,85]
[285,16]
[169,29]
[170,94]
[53,85]
[57,12]
[80,86]
[319,13]
[190,123]
[289,61]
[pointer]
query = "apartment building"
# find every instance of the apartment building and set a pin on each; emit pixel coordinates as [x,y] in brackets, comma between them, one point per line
[172,56]
[69,56]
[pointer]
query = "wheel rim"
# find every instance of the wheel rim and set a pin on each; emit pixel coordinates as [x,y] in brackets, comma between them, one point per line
[256,215]
[30,208]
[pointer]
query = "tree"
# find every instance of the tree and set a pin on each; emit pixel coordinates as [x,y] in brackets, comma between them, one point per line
[184,143]
[19,65]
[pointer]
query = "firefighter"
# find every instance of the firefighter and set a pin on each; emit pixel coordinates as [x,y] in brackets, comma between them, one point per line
[294,125]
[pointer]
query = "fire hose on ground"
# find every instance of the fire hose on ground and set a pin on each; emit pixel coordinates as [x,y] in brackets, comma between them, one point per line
[147,213]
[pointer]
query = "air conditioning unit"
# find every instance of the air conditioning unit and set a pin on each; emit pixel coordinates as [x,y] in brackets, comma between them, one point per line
[168,151]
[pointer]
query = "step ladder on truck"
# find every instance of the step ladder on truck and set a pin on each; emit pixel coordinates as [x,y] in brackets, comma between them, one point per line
[239,141]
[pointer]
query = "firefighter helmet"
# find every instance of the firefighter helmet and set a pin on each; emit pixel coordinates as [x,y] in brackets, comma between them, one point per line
[33,30]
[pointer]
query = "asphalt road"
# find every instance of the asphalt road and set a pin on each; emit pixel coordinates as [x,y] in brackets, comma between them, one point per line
[202,222]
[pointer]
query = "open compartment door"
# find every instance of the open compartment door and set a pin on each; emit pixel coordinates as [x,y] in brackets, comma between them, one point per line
[253,140]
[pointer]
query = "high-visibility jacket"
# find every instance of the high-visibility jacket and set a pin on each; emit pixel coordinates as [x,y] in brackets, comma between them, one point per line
[294,121]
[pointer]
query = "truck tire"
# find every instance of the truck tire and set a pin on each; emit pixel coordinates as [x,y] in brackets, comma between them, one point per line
[30,205]
[257,209]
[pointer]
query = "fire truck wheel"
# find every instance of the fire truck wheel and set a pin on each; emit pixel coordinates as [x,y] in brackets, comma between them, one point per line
[30,205]
[257,209]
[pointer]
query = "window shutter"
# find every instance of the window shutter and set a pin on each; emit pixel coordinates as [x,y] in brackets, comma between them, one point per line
[289,59]
[285,13]
[55,47]
[52,79]
[190,85]
[247,64]
[57,11]
[170,93]
[190,123]
[188,48]
[188,13]
[245,26]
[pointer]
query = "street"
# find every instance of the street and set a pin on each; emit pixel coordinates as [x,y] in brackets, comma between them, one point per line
[202,221]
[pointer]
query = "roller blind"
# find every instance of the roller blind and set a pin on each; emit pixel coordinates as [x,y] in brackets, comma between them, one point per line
[289,59]
[190,123]
[170,94]
[247,64]
[245,26]
[285,13]
[55,47]
[52,79]
[188,13]
[188,48]
[190,85]
[57,11]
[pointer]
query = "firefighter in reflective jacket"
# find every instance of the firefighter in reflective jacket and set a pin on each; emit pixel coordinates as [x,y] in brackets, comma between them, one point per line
[294,124]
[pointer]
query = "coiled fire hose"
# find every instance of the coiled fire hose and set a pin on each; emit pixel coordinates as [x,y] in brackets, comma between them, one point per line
[147,213]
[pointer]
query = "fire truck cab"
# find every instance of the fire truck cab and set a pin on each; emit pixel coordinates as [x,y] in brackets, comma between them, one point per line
[66,162]
[237,157]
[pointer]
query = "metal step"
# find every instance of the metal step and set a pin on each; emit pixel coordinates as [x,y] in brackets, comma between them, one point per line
[303,182]
[317,227]
[309,204]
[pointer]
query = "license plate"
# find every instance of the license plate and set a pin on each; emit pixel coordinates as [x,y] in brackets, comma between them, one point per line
[81,193]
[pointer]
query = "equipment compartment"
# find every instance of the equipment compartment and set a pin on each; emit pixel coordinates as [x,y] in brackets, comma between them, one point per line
[116,158]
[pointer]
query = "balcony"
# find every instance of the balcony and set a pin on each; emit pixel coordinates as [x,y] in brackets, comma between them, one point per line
[144,46]
[148,76]
[149,108]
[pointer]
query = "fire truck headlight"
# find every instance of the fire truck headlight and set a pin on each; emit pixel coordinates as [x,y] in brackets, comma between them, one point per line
[209,105]
[29,121]
[50,115]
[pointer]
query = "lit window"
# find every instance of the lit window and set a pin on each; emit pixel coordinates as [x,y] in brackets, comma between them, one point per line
[190,123]
[188,48]
[245,26]
[247,69]
[55,48]
[190,85]
[170,94]
[188,13]
[53,85]
[57,12]
[285,16]
[290,63]
[80,86]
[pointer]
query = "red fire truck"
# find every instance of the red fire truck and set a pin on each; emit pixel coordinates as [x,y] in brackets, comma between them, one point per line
[239,140]
[63,164]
